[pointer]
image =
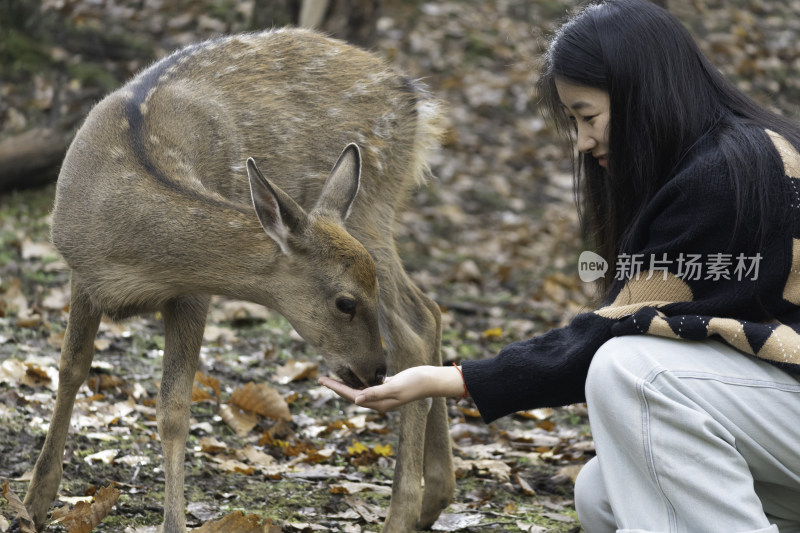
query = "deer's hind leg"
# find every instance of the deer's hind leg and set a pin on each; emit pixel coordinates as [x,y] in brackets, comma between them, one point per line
[76,360]
[411,327]
[184,322]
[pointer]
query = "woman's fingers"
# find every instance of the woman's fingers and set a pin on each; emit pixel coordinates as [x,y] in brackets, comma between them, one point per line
[374,394]
[377,398]
[348,393]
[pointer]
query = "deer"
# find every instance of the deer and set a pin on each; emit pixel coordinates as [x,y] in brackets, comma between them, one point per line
[214,171]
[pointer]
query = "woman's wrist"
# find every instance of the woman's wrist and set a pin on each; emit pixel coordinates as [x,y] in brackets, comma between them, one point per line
[447,381]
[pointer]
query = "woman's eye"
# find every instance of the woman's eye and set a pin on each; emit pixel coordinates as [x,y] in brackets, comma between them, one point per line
[589,119]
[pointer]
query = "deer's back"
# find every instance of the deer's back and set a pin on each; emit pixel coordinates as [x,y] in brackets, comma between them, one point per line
[171,144]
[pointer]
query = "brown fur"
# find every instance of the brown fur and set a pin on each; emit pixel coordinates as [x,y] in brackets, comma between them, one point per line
[155,211]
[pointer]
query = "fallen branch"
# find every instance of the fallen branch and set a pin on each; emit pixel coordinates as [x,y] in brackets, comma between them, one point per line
[31,158]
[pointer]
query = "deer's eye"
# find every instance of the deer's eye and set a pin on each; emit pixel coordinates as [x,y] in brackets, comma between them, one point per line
[347,306]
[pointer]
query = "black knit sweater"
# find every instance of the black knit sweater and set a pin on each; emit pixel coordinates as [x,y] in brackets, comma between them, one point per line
[688,275]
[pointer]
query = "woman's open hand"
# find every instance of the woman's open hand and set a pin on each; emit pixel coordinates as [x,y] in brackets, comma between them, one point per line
[411,384]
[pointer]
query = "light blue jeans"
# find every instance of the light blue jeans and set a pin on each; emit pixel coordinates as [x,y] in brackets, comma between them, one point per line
[691,437]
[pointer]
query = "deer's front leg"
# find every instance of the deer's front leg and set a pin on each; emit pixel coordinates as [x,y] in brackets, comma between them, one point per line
[440,480]
[424,428]
[421,421]
[404,509]
[184,321]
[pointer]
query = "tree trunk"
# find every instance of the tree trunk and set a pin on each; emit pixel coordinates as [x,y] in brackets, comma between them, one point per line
[351,20]
[274,13]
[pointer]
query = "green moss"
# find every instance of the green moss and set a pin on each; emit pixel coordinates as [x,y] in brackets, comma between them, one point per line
[92,74]
[554,9]
[22,55]
[477,48]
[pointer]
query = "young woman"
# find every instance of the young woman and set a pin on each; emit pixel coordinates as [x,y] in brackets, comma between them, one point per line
[690,366]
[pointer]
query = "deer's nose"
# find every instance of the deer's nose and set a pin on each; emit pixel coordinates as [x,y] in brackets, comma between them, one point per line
[354,380]
[380,375]
[349,377]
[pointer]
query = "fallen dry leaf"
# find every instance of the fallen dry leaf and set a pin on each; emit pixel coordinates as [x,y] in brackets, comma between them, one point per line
[32,321]
[132,460]
[85,517]
[362,455]
[238,522]
[456,522]
[208,381]
[57,299]
[318,456]
[238,311]
[495,468]
[200,395]
[56,339]
[568,472]
[115,329]
[217,334]
[492,334]
[347,487]
[535,439]
[297,370]
[542,413]
[383,450]
[470,411]
[102,345]
[232,465]
[25,522]
[526,488]
[105,456]
[261,399]
[12,371]
[36,373]
[240,421]
[13,299]
[370,513]
[16,372]
[37,250]
[102,414]
[357,449]
[100,382]
[255,457]
[212,445]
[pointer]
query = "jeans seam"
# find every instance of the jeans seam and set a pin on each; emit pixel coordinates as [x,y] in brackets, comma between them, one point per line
[744,382]
[648,446]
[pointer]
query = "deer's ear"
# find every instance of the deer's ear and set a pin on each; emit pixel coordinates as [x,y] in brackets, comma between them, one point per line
[278,214]
[342,185]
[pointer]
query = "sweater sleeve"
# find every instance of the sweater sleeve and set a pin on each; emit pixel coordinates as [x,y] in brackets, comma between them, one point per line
[547,370]
[690,221]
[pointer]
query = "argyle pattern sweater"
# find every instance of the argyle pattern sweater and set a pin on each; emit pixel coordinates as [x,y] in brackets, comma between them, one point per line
[688,275]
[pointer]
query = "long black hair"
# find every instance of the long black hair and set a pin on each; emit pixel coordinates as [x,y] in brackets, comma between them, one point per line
[665,96]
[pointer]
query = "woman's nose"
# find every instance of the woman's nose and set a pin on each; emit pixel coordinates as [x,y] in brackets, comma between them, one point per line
[586,143]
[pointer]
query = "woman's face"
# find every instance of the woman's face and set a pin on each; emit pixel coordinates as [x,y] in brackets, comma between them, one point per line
[588,108]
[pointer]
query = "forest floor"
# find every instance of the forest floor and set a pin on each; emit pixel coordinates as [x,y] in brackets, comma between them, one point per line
[494,239]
